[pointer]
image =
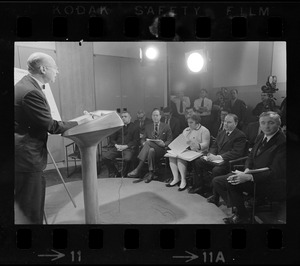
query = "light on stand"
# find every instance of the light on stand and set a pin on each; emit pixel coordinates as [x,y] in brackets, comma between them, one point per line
[195,62]
[151,53]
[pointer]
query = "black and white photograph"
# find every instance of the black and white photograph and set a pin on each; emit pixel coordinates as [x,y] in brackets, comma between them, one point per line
[150,132]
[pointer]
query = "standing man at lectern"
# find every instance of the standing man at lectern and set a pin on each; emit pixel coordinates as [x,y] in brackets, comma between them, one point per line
[33,122]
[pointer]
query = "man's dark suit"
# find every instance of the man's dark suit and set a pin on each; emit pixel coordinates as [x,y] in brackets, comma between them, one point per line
[151,151]
[229,147]
[33,121]
[239,108]
[174,125]
[273,156]
[128,135]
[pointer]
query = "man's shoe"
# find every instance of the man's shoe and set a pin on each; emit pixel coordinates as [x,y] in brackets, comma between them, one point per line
[195,190]
[149,177]
[236,219]
[214,200]
[133,173]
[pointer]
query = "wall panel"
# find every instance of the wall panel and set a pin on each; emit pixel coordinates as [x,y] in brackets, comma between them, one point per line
[107,82]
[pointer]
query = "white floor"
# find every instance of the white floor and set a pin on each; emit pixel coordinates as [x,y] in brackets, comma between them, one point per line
[122,202]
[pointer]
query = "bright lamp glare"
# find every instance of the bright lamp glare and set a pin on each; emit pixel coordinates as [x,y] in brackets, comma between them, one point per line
[195,62]
[151,53]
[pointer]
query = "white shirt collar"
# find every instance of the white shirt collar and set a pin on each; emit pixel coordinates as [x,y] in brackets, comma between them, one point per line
[269,137]
[40,83]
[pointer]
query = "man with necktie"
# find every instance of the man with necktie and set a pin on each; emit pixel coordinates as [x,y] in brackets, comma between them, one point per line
[269,152]
[157,137]
[229,145]
[33,122]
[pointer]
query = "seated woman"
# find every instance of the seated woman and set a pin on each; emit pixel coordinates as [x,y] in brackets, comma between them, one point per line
[198,138]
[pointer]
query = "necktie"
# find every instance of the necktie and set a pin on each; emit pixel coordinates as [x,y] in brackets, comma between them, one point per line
[228,133]
[202,103]
[261,146]
[141,124]
[43,86]
[181,106]
[167,121]
[156,131]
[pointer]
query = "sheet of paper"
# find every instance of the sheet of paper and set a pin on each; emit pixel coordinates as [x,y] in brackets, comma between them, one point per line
[179,144]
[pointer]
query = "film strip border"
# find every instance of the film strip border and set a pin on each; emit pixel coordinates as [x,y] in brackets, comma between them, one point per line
[152,21]
[165,244]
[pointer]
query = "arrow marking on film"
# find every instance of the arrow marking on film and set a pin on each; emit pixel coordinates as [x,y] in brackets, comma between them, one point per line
[57,256]
[191,257]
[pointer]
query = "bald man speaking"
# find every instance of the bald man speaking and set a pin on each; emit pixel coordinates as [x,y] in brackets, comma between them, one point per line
[33,122]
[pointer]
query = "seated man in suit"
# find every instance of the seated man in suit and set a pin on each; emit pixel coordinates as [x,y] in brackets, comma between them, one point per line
[269,151]
[124,144]
[173,122]
[152,150]
[142,121]
[230,144]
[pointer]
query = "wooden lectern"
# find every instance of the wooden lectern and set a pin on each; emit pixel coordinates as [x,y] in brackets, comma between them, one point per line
[87,136]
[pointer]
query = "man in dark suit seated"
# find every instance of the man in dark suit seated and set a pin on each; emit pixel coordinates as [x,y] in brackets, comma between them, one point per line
[142,121]
[124,144]
[173,122]
[160,136]
[268,152]
[230,144]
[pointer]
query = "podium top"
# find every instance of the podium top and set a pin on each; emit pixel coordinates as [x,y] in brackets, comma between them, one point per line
[102,120]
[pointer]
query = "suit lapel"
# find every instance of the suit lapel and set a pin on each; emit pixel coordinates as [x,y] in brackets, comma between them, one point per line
[228,138]
[160,129]
[268,145]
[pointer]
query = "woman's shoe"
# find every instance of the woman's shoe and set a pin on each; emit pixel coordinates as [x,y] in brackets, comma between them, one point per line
[169,185]
[181,189]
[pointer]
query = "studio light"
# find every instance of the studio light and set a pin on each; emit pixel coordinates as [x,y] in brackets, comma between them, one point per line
[195,62]
[151,53]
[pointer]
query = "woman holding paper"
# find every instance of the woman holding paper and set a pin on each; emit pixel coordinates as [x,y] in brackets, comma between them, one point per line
[198,138]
